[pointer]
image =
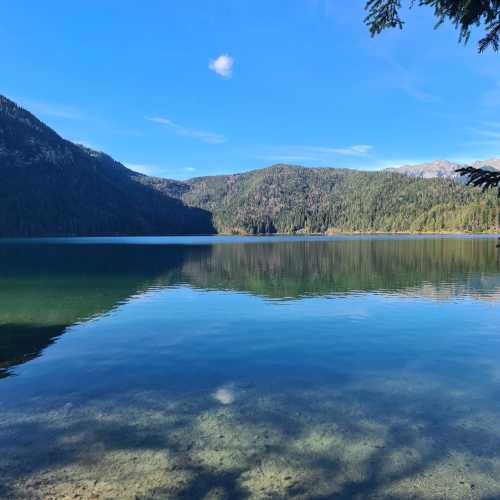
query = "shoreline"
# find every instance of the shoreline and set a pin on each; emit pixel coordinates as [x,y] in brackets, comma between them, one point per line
[484,234]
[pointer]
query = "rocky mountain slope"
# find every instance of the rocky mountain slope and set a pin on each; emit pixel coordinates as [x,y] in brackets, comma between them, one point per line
[442,168]
[51,186]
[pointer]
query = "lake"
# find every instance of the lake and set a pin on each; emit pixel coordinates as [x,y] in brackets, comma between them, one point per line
[227,367]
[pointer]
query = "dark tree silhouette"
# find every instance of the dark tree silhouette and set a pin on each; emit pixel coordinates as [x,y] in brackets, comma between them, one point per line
[481,177]
[485,179]
[464,14]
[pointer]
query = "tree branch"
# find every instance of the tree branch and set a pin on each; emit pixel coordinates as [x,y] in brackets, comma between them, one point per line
[463,14]
[481,177]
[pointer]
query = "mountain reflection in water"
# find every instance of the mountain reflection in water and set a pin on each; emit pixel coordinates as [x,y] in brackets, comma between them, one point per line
[295,368]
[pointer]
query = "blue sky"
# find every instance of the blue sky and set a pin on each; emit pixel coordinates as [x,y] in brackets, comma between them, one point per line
[187,88]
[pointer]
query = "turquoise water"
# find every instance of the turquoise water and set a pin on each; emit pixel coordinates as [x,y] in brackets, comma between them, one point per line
[221,367]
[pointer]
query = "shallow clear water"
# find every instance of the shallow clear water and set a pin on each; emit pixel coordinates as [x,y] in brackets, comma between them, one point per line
[344,367]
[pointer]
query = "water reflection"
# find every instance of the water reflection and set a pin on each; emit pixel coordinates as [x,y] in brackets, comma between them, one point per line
[349,369]
[294,270]
[47,287]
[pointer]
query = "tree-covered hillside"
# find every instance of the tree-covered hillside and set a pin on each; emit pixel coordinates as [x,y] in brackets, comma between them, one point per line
[50,186]
[289,199]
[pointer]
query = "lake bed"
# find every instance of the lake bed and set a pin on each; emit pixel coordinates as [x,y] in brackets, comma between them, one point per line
[344,367]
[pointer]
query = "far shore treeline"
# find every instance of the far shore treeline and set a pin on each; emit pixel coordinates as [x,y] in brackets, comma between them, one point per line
[53,187]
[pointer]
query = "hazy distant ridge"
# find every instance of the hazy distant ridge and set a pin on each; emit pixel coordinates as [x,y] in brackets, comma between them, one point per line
[442,168]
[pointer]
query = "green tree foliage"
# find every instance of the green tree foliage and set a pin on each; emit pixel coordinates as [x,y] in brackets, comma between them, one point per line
[288,199]
[50,186]
[464,14]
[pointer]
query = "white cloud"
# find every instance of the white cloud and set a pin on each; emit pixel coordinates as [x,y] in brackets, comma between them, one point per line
[164,171]
[491,98]
[487,138]
[491,147]
[394,75]
[223,65]
[146,169]
[47,109]
[412,90]
[491,124]
[356,150]
[316,153]
[492,134]
[208,137]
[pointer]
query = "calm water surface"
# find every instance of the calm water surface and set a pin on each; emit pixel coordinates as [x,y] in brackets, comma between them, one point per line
[349,367]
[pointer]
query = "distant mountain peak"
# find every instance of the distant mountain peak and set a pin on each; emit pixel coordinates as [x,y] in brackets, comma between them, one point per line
[51,186]
[493,163]
[442,168]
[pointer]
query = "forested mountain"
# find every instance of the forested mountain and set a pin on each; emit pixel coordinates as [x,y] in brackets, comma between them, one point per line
[290,199]
[50,186]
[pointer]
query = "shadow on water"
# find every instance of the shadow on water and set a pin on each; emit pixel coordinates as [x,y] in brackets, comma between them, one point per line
[354,441]
[46,288]
[21,343]
[365,423]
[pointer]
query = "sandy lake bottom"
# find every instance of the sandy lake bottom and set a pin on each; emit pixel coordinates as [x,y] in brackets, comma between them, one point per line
[326,369]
